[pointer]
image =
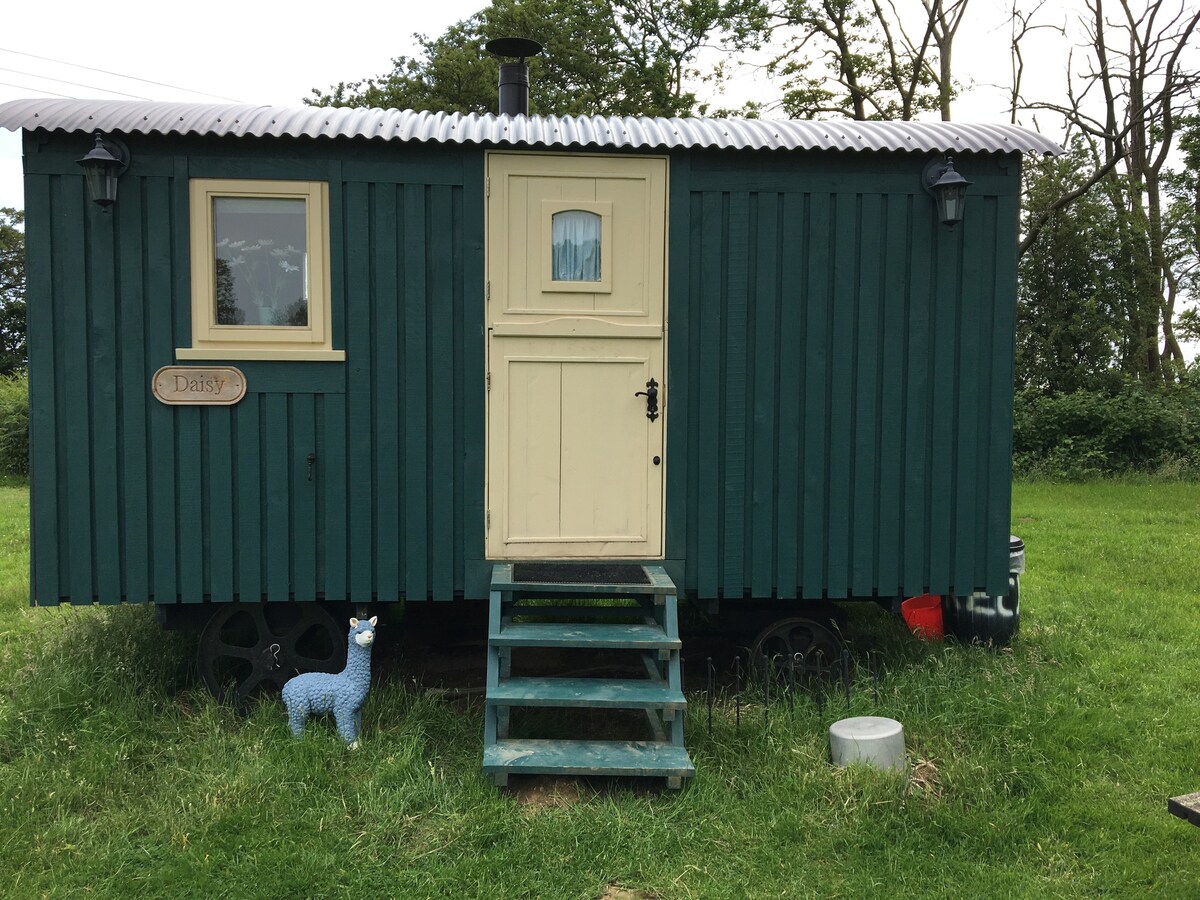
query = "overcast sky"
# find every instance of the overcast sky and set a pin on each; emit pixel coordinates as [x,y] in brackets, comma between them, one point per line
[272,53]
[275,53]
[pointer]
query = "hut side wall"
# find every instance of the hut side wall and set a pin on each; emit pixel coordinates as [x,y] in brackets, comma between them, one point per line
[133,500]
[840,381]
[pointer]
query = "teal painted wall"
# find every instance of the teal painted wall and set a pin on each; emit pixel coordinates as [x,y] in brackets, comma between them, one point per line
[841,376]
[839,383]
[133,500]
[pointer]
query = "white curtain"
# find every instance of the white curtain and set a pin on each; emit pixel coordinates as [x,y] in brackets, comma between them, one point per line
[576,237]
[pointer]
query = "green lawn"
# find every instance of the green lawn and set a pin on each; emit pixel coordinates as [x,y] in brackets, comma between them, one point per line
[1043,771]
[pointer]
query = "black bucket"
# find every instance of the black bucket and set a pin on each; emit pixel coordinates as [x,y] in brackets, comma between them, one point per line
[989,618]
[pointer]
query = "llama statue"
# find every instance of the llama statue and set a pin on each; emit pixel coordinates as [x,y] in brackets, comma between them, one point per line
[342,694]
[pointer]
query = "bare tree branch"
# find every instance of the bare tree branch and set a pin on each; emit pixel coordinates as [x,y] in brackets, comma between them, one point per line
[1035,227]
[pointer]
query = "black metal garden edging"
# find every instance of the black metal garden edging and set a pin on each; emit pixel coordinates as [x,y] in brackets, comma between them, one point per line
[775,680]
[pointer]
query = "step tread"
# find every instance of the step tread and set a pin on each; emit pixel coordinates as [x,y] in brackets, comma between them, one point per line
[602,635]
[1186,807]
[607,693]
[588,758]
[659,583]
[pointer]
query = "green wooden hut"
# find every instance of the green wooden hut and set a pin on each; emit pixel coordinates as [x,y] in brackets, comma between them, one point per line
[342,356]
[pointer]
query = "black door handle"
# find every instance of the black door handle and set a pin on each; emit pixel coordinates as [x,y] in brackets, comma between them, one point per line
[651,395]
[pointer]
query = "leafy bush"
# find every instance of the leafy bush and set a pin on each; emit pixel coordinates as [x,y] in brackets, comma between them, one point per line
[1085,434]
[14,425]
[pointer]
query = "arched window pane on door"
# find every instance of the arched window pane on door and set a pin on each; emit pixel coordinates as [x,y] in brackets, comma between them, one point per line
[576,237]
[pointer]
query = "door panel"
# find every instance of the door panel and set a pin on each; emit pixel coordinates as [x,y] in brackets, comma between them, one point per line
[603,478]
[629,195]
[533,395]
[571,451]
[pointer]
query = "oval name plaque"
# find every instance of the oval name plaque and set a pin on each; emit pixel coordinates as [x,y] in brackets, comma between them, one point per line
[199,385]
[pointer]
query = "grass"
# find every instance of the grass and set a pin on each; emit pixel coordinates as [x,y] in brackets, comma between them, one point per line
[1039,772]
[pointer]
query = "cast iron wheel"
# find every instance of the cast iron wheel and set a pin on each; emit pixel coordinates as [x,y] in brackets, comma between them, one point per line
[252,648]
[798,641]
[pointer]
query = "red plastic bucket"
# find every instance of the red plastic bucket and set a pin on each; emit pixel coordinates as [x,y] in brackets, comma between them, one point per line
[923,615]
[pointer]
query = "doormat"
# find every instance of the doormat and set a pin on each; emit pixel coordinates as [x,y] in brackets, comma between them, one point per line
[575,573]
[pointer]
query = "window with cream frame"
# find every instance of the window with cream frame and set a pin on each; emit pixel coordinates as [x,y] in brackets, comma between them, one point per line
[260,270]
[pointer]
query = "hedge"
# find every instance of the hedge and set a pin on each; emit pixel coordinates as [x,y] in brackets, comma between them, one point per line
[1086,434]
[14,425]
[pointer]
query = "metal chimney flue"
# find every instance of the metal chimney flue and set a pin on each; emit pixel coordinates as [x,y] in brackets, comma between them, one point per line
[514,76]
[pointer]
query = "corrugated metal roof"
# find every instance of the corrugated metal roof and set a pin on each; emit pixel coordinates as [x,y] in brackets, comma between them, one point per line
[146,117]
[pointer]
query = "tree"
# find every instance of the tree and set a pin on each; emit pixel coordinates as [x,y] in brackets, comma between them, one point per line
[1073,287]
[943,18]
[864,59]
[12,291]
[228,311]
[608,57]
[1183,225]
[1127,102]
[450,75]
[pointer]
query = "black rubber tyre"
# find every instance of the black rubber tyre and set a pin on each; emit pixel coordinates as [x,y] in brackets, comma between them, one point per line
[983,617]
[800,642]
[252,648]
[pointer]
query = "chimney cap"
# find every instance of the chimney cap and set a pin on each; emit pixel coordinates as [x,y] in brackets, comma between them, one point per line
[513,46]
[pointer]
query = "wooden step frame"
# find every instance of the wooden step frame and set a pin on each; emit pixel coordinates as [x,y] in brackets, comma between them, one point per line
[1187,807]
[657,637]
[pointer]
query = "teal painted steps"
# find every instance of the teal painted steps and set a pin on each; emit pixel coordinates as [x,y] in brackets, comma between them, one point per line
[598,636]
[564,613]
[599,693]
[539,757]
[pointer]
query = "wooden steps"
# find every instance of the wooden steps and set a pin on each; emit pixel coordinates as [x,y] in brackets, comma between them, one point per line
[658,583]
[598,693]
[565,612]
[1186,807]
[543,757]
[598,636]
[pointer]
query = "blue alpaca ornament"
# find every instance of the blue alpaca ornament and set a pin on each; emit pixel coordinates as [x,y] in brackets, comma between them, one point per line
[342,694]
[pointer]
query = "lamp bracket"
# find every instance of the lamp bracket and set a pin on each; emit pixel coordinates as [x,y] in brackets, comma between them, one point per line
[117,148]
[931,173]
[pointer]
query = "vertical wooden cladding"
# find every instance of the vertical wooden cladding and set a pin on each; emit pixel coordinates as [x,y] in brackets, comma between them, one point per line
[848,369]
[839,385]
[137,501]
[405,389]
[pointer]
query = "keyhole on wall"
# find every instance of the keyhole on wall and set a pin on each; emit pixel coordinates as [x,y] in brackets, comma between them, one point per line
[312,461]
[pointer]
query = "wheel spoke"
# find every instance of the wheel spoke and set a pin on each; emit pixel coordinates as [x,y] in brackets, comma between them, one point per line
[234,651]
[802,641]
[251,683]
[236,671]
[312,617]
[305,621]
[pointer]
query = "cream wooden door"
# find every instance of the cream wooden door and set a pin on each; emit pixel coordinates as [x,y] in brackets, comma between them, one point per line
[575,255]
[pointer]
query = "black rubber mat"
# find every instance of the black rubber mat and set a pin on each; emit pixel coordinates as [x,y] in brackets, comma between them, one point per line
[579,573]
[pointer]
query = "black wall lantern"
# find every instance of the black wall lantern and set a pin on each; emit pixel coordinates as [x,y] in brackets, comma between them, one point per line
[948,188]
[103,163]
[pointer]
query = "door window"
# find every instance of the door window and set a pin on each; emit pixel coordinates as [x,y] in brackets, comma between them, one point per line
[576,245]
